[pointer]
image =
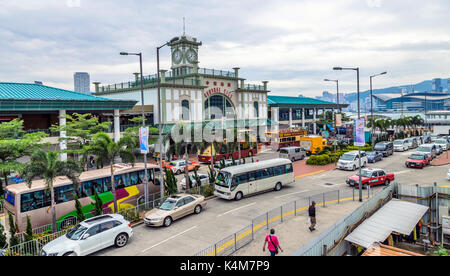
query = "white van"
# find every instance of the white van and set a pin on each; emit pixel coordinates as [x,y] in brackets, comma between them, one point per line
[293,153]
[350,160]
[401,145]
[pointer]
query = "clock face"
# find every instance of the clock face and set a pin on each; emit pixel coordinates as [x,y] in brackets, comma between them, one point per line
[176,56]
[191,55]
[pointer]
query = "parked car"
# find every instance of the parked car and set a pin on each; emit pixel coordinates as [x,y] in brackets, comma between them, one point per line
[419,140]
[418,160]
[293,153]
[429,149]
[443,143]
[401,145]
[204,179]
[439,149]
[350,160]
[371,177]
[374,156]
[177,166]
[90,236]
[173,208]
[386,148]
[411,142]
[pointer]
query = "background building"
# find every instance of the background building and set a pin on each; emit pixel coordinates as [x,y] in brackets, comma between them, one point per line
[418,101]
[82,82]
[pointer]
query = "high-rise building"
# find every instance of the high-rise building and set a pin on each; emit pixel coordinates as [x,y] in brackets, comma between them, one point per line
[437,85]
[82,82]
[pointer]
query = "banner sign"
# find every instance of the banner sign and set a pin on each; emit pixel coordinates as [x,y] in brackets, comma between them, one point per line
[360,140]
[143,139]
[338,120]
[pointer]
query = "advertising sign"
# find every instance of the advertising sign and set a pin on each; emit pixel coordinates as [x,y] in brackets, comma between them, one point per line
[338,120]
[360,140]
[143,139]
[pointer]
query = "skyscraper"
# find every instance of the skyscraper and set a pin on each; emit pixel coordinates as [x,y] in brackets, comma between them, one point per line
[82,82]
[437,85]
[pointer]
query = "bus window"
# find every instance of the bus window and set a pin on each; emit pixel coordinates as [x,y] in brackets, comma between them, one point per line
[118,181]
[277,171]
[251,176]
[242,178]
[63,194]
[265,173]
[289,168]
[107,184]
[35,200]
[126,179]
[134,178]
[97,184]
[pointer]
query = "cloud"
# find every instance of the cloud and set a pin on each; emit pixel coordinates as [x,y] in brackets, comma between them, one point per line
[293,44]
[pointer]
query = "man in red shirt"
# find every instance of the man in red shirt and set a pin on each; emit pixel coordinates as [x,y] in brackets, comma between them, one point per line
[273,243]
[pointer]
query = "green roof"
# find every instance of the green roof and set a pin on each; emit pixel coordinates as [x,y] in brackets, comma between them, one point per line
[37,97]
[286,101]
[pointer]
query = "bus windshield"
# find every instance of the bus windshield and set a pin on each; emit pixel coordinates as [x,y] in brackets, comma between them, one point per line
[76,232]
[224,179]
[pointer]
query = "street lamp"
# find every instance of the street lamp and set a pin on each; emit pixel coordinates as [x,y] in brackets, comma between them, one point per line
[371,103]
[160,114]
[359,117]
[143,121]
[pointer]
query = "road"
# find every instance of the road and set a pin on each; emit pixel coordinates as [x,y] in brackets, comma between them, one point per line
[222,218]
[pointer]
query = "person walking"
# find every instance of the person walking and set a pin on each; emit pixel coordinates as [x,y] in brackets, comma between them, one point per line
[273,243]
[312,216]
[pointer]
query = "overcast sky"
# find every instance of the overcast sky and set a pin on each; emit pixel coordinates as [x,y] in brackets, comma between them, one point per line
[293,44]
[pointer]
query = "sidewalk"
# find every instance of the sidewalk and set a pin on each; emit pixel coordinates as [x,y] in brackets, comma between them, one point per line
[301,169]
[294,233]
[441,160]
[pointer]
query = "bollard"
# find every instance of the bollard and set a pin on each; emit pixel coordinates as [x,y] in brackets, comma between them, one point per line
[252,231]
[215,249]
[267,220]
[353,193]
[295,208]
[338,196]
[235,243]
[323,200]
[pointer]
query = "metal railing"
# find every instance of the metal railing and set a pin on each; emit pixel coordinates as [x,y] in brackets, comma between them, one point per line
[34,247]
[253,87]
[239,239]
[334,233]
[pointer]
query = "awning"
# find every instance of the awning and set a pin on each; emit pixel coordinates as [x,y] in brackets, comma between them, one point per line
[396,216]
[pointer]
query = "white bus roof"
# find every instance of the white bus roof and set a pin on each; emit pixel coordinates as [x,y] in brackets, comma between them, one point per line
[256,166]
[85,176]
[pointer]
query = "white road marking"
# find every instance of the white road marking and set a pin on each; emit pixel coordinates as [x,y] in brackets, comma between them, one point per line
[170,238]
[236,209]
[292,194]
[400,172]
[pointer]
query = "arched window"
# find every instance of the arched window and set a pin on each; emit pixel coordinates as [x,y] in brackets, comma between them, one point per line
[256,108]
[185,110]
[224,106]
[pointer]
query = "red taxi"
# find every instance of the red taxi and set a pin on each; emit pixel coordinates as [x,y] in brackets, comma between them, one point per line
[371,177]
[418,160]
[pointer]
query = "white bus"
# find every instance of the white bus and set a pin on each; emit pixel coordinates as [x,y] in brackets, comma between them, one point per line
[238,181]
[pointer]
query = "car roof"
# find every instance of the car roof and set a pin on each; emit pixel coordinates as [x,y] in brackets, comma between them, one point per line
[372,169]
[102,218]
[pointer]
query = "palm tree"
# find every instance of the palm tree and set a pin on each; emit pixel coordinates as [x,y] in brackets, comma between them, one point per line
[106,150]
[46,165]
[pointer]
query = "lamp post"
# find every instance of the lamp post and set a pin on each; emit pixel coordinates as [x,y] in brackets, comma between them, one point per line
[160,115]
[359,117]
[371,104]
[143,122]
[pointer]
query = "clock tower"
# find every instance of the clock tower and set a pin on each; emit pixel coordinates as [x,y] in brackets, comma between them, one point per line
[184,53]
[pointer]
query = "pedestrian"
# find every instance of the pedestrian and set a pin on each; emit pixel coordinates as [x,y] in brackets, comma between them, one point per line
[312,216]
[273,243]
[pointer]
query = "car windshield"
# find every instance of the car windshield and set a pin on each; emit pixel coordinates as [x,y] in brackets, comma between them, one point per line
[224,179]
[173,163]
[76,232]
[348,157]
[398,142]
[441,142]
[424,149]
[283,151]
[167,205]
[380,147]
[365,173]
[417,157]
[372,153]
